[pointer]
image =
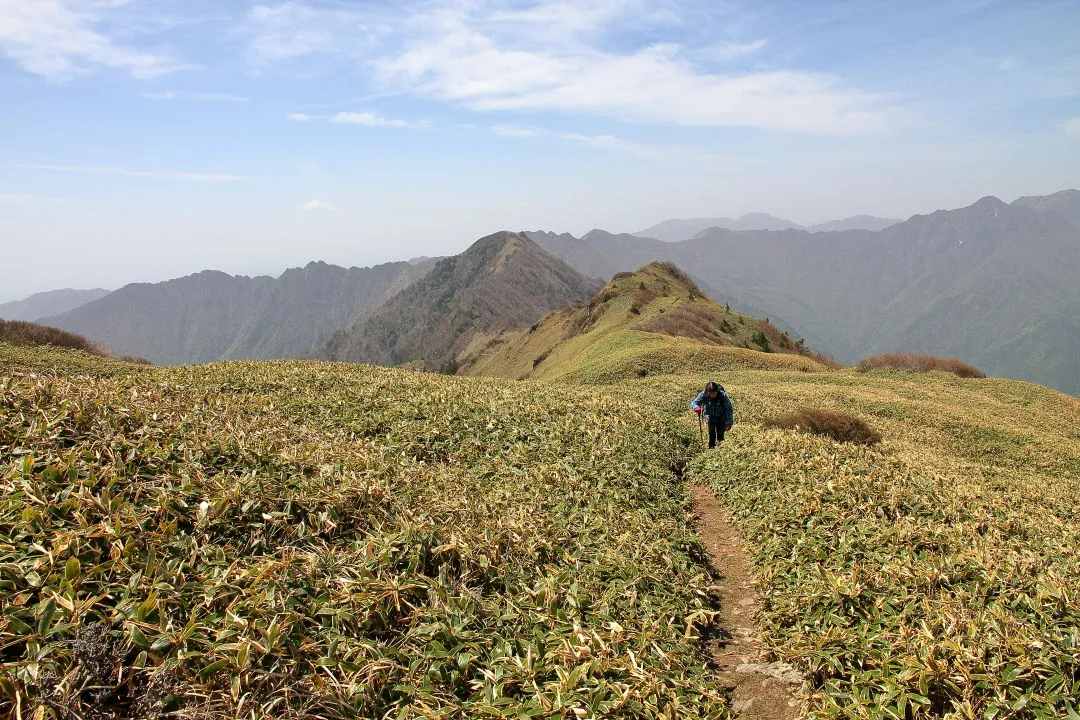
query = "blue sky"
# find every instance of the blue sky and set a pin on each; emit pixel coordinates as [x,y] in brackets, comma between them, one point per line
[146,139]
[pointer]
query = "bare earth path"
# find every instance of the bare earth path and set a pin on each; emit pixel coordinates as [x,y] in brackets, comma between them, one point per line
[759,690]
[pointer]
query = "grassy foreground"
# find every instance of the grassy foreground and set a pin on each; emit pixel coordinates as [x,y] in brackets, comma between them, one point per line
[316,540]
[935,576]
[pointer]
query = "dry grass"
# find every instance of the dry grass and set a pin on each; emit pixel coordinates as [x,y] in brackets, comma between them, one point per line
[840,426]
[911,362]
[934,575]
[306,540]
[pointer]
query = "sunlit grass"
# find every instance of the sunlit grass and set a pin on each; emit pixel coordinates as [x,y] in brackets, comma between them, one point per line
[327,540]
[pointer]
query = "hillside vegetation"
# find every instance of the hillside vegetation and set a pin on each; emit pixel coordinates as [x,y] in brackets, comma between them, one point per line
[295,539]
[655,320]
[289,539]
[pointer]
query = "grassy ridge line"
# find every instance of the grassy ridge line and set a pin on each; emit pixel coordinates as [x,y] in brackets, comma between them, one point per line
[937,576]
[623,354]
[299,539]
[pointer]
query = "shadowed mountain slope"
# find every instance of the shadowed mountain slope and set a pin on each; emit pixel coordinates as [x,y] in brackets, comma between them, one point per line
[213,316]
[46,304]
[1065,204]
[502,282]
[992,284]
[654,320]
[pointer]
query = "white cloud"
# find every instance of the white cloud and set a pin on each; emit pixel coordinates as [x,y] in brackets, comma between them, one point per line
[725,52]
[317,206]
[369,119]
[285,31]
[558,55]
[651,85]
[300,117]
[59,38]
[107,170]
[186,96]
[456,59]
[515,131]
[1072,127]
[597,142]
[292,30]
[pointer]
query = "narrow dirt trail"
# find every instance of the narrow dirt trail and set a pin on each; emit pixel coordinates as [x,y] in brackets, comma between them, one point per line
[759,690]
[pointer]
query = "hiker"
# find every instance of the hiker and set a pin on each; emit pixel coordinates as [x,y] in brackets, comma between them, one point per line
[714,403]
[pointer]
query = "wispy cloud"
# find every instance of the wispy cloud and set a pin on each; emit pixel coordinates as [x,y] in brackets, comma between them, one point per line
[127,172]
[516,131]
[60,38]
[291,30]
[365,118]
[654,84]
[186,96]
[612,142]
[369,119]
[555,55]
[1072,127]
[607,142]
[317,206]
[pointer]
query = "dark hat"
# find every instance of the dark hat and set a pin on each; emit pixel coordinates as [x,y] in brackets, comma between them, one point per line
[712,387]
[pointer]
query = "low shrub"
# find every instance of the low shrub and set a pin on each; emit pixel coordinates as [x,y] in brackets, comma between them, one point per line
[20,332]
[840,426]
[912,362]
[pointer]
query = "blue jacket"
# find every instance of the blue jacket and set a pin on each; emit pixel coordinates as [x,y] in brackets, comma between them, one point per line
[718,408]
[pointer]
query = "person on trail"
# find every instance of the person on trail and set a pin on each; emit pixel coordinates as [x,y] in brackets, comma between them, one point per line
[714,403]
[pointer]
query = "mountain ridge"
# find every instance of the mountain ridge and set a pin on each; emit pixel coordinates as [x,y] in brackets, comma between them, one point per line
[501,282]
[858,293]
[211,315]
[676,229]
[48,303]
[654,319]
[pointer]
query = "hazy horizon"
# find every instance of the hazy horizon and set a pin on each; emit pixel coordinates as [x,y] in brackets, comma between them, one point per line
[143,140]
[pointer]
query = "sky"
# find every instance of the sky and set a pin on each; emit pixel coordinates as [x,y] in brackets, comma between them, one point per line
[142,140]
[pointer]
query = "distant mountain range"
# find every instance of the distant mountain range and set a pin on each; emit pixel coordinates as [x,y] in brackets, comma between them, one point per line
[502,282]
[991,284]
[675,230]
[44,304]
[213,316]
[1064,204]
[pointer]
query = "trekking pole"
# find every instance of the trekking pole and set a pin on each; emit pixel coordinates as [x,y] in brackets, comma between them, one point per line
[700,430]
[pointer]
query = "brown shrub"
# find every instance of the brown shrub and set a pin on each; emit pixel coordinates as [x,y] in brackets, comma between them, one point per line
[697,322]
[134,360]
[911,362]
[840,426]
[20,332]
[674,270]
